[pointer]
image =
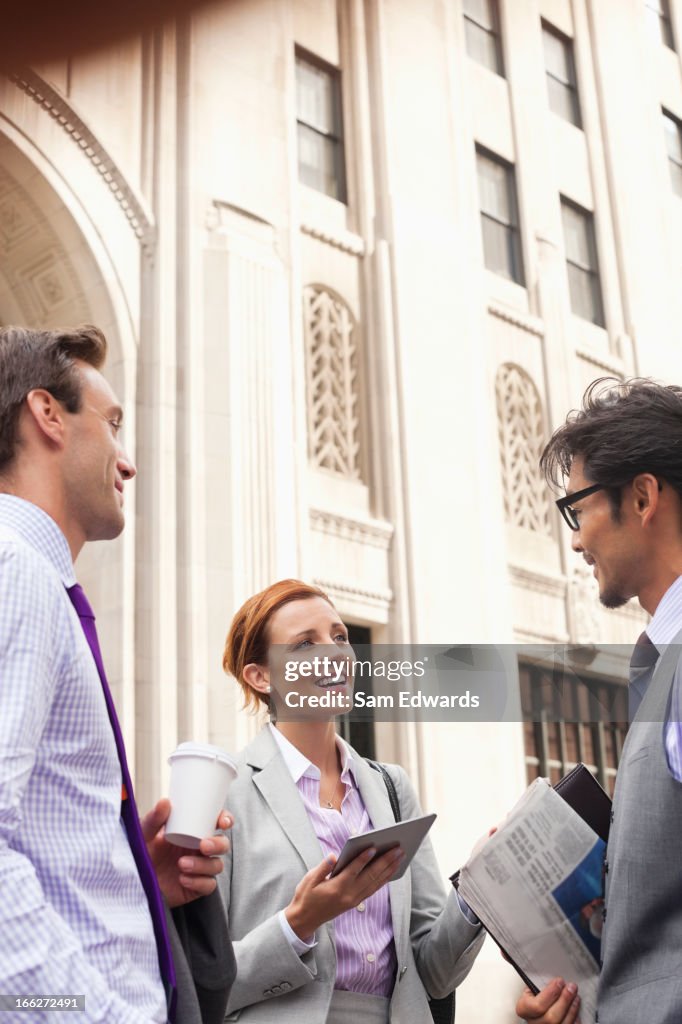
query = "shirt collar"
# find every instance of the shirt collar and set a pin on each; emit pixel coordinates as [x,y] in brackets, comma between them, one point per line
[298,764]
[667,619]
[40,531]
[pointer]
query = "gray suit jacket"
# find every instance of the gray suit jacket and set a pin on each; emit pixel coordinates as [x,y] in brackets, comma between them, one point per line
[273,845]
[203,958]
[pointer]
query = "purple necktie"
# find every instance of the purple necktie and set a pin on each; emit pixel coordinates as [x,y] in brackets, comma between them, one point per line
[129,813]
[642,665]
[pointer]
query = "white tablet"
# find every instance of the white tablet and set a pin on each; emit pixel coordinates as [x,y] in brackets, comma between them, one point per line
[406,834]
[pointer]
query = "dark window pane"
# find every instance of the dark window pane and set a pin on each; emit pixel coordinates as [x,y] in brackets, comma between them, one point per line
[673,142]
[582,265]
[482,32]
[552,746]
[482,46]
[658,19]
[563,100]
[557,56]
[493,187]
[572,749]
[315,97]
[320,135]
[673,137]
[499,221]
[585,294]
[319,162]
[482,12]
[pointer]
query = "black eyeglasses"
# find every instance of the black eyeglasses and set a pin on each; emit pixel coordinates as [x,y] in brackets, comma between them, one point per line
[565,505]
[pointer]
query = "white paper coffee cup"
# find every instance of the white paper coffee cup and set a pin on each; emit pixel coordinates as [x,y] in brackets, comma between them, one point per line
[200,778]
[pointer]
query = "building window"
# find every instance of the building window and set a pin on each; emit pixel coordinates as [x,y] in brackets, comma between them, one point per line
[483,36]
[321,161]
[356,728]
[673,141]
[499,216]
[581,262]
[658,17]
[577,719]
[562,86]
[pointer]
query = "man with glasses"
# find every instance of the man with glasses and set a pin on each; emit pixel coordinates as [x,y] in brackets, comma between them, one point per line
[620,456]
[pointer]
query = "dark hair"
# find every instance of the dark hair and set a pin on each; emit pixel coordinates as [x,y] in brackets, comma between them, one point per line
[32,359]
[623,428]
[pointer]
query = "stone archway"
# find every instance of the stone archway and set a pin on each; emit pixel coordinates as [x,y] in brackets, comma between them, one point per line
[49,276]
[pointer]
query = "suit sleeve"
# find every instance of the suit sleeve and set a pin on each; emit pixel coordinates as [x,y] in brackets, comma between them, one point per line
[267,964]
[204,961]
[444,943]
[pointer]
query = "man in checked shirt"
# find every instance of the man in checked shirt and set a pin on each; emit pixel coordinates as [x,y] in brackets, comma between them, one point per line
[76,907]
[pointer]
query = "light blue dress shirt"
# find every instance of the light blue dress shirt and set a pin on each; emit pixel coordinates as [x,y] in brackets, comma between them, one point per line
[74,918]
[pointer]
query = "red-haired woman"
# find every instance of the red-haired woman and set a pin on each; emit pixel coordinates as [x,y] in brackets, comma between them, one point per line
[310,948]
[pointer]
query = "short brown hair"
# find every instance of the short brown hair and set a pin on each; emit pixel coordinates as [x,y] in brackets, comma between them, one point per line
[247,639]
[32,359]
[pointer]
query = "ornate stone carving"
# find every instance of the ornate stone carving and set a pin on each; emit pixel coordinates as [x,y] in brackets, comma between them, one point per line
[35,264]
[527,322]
[346,242]
[375,534]
[332,381]
[47,97]
[521,435]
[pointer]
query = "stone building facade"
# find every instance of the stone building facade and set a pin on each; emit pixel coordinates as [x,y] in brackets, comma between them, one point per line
[355,259]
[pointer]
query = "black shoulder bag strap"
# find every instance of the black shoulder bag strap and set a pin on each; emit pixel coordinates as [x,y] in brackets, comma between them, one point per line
[442,1010]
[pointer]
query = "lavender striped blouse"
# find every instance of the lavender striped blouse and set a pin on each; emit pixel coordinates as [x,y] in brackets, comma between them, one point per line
[365,952]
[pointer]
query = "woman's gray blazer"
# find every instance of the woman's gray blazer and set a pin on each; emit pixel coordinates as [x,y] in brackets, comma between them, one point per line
[273,846]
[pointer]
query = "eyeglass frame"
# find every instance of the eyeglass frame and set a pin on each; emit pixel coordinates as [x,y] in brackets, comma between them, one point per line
[565,504]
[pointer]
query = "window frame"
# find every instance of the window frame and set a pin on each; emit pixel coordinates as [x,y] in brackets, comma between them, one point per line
[673,161]
[337,137]
[570,86]
[603,739]
[594,273]
[513,226]
[493,31]
[665,33]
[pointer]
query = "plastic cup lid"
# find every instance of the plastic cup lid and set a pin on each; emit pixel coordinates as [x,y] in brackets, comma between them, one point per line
[203,750]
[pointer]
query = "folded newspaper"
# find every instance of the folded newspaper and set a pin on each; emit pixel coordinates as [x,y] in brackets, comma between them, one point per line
[536,886]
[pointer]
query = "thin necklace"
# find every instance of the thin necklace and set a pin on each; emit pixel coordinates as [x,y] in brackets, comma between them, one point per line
[330,802]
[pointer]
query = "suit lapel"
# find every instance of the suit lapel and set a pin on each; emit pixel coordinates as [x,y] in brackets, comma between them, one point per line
[273,781]
[375,797]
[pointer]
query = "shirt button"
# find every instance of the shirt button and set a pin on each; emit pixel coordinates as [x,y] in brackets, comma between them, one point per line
[370,958]
[361,907]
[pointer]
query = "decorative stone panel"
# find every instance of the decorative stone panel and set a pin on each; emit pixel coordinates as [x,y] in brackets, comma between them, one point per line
[332,371]
[522,438]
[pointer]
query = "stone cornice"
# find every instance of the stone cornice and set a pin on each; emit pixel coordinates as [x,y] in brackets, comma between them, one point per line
[372,532]
[345,241]
[527,322]
[47,97]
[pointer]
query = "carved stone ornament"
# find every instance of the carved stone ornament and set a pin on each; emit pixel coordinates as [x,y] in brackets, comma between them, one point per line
[522,436]
[332,382]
